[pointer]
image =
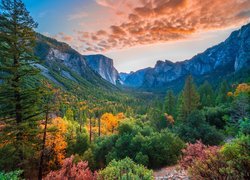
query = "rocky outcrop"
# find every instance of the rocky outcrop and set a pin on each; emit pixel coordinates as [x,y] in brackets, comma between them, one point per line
[227,57]
[59,58]
[104,66]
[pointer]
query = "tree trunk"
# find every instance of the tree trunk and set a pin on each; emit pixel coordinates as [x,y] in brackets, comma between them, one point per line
[99,127]
[80,128]
[40,173]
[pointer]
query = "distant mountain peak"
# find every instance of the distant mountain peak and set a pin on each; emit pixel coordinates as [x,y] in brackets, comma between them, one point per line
[228,57]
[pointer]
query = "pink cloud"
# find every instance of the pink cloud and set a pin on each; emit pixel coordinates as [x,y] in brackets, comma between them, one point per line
[156,21]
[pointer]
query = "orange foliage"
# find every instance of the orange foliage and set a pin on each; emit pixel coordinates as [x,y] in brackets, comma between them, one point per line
[229,94]
[109,122]
[169,118]
[242,88]
[55,142]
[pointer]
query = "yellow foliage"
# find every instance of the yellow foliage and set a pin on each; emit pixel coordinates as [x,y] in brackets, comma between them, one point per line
[242,88]
[229,94]
[109,121]
[120,116]
[169,118]
[55,141]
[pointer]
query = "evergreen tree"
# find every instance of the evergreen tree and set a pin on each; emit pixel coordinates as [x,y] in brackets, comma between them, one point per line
[170,103]
[222,94]
[190,99]
[18,99]
[206,94]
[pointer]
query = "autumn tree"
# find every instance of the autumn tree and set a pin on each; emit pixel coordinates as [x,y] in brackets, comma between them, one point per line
[18,100]
[50,105]
[190,99]
[110,122]
[56,143]
[81,113]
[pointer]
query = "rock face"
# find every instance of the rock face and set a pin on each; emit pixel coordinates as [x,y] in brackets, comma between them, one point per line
[61,59]
[227,57]
[104,66]
[135,79]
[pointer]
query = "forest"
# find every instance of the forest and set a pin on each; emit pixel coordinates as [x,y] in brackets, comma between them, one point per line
[53,132]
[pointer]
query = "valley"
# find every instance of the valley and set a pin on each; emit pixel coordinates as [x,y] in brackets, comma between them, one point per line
[67,115]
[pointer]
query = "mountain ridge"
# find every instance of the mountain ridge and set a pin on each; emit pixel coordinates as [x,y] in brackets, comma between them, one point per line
[233,53]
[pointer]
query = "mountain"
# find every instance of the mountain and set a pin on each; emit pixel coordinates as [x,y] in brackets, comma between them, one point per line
[135,79]
[225,58]
[104,66]
[68,69]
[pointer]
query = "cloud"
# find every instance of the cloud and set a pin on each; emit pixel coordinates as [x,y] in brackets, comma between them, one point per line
[64,37]
[77,16]
[107,3]
[158,21]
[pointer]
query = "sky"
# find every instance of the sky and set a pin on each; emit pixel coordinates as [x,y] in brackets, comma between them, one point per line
[137,33]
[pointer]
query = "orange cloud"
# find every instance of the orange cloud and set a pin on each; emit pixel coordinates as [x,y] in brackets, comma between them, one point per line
[155,21]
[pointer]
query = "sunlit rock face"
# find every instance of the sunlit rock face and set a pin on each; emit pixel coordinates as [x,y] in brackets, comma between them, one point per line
[104,66]
[229,56]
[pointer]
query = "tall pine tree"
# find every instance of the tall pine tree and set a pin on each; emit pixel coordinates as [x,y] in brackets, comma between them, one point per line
[206,94]
[190,99]
[18,98]
[170,103]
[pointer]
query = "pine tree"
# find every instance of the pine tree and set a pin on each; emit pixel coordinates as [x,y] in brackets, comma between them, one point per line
[170,103]
[206,94]
[19,98]
[222,94]
[190,99]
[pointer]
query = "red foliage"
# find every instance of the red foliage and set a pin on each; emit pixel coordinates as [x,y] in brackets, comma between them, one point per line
[197,151]
[71,170]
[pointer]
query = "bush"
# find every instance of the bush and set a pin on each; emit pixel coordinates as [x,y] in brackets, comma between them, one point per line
[194,152]
[245,126]
[71,170]
[142,144]
[215,116]
[125,169]
[13,175]
[196,128]
[237,156]
[232,161]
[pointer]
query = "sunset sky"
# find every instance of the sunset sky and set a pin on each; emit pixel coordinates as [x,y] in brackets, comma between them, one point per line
[137,33]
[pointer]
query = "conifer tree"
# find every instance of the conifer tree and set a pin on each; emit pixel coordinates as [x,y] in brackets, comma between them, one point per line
[190,99]
[222,94]
[206,94]
[170,103]
[19,98]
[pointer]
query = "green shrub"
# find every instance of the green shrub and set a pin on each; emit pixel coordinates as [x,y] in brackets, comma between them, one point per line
[125,169]
[141,143]
[245,126]
[13,175]
[196,128]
